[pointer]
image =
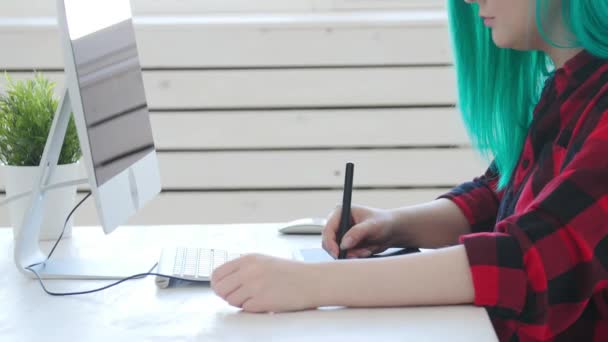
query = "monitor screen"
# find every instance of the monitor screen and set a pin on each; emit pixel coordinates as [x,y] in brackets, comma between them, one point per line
[111,84]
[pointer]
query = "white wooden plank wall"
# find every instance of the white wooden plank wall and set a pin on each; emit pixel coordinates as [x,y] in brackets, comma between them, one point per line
[257,105]
[27,8]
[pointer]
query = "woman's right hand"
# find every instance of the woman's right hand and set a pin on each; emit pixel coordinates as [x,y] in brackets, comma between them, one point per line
[373,231]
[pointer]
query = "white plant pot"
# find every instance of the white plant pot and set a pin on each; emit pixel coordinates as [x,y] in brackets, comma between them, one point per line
[59,203]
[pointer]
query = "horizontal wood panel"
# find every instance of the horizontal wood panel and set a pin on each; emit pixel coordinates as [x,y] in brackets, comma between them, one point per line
[287,169]
[305,88]
[386,4]
[237,41]
[48,7]
[308,129]
[244,207]
[283,88]
[316,169]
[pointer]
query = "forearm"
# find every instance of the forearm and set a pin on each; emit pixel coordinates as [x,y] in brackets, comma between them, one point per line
[437,277]
[434,224]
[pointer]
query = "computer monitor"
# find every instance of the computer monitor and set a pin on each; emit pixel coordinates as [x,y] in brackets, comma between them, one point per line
[105,92]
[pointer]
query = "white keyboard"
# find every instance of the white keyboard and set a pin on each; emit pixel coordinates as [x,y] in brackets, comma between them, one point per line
[194,264]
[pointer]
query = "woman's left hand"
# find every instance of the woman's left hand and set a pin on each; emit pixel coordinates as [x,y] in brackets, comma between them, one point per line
[260,283]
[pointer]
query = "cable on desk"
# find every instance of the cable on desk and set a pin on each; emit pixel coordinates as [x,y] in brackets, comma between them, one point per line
[65,224]
[135,276]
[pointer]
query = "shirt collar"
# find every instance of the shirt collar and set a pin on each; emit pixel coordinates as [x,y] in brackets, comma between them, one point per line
[577,70]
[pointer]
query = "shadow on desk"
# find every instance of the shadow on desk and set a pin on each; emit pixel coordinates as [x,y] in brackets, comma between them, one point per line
[413,324]
[439,323]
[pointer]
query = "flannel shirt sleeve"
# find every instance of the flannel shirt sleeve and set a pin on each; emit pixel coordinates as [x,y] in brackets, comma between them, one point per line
[542,265]
[478,200]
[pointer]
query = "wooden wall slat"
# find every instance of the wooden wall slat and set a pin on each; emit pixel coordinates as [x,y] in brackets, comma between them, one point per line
[185,7]
[248,207]
[387,4]
[285,169]
[234,42]
[314,169]
[305,88]
[285,88]
[309,129]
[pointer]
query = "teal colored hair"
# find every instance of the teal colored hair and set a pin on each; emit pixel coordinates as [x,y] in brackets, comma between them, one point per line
[499,88]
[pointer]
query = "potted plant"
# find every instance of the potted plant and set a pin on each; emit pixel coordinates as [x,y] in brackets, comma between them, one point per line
[27,109]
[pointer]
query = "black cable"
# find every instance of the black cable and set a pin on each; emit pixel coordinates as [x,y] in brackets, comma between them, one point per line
[135,276]
[65,225]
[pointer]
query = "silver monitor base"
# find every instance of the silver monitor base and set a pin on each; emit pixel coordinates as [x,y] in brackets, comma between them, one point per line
[90,269]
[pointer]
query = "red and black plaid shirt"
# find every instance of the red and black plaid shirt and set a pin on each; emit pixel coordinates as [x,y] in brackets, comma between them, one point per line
[539,248]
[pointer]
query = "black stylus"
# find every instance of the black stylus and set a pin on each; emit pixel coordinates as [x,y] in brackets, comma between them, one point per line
[345,219]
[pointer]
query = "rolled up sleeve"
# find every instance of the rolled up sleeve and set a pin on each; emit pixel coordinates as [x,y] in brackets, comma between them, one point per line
[478,200]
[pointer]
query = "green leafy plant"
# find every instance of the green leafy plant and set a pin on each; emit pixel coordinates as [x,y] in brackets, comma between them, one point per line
[27,109]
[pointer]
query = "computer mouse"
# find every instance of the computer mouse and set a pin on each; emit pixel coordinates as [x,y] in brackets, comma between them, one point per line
[304,226]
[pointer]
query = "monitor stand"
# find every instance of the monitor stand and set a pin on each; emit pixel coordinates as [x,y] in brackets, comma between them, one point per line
[90,269]
[27,250]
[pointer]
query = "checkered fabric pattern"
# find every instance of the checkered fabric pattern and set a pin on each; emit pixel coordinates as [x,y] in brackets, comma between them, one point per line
[538,249]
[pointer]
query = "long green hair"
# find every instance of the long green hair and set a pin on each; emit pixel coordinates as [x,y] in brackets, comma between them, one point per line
[499,88]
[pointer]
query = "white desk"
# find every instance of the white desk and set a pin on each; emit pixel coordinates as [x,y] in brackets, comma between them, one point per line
[138,311]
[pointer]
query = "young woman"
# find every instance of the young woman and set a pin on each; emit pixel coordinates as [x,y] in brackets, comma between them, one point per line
[528,240]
